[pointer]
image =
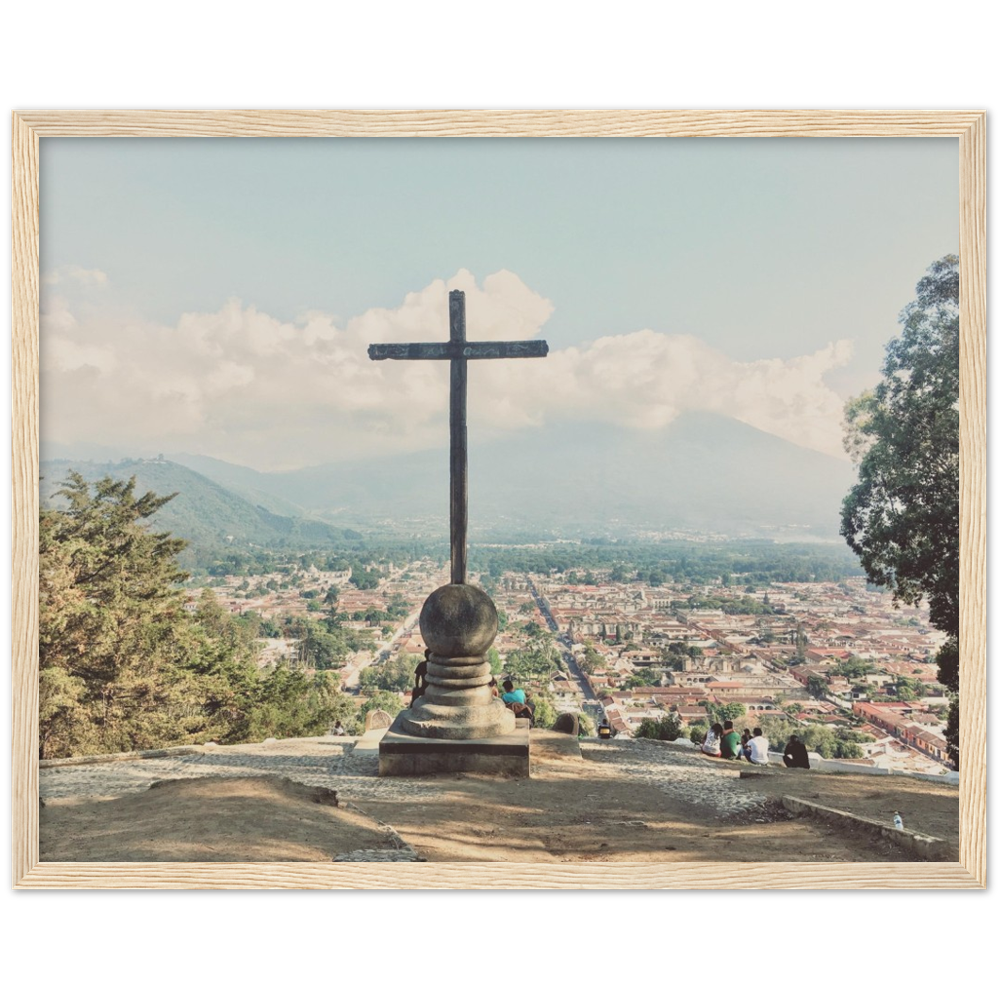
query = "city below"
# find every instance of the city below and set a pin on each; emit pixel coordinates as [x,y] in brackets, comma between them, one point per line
[834,661]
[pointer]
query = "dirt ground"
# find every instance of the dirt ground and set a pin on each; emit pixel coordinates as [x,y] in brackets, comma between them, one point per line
[571,809]
[926,807]
[546,818]
[208,819]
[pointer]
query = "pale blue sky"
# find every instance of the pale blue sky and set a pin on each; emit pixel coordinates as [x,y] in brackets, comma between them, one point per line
[758,248]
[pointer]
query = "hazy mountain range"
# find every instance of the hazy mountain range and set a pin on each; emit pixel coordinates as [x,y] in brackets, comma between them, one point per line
[702,474]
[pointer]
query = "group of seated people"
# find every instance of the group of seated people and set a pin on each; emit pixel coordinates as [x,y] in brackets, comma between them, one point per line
[723,741]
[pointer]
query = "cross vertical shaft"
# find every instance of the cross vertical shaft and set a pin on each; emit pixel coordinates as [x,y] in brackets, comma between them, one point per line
[459,440]
[459,352]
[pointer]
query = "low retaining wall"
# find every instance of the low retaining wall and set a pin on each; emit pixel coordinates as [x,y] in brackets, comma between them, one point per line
[924,847]
[849,767]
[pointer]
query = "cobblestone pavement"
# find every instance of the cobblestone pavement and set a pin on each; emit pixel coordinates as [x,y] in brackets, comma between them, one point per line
[685,776]
[326,763]
[332,763]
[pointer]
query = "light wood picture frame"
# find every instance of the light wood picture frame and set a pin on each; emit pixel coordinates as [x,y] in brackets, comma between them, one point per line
[967,126]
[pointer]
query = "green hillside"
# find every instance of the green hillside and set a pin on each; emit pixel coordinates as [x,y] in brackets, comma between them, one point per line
[211,517]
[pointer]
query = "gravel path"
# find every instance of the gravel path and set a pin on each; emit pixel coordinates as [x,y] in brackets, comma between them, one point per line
[686,776]
[331,763]
[318,761]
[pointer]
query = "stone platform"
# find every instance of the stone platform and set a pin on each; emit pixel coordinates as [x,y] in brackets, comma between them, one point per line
[403,755]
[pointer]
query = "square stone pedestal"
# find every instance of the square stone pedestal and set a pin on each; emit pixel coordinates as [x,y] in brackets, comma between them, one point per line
[403,755]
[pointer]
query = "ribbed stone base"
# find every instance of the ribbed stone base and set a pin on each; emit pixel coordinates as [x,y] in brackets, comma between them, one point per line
[402,754]
[457,721]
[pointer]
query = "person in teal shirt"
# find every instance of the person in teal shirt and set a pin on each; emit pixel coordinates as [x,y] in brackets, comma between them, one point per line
[512,694]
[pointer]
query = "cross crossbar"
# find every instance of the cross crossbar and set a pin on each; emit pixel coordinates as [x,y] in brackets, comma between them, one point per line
[454,350]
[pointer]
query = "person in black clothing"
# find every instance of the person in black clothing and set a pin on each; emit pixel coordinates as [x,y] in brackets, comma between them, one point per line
[420,685]
[795,754]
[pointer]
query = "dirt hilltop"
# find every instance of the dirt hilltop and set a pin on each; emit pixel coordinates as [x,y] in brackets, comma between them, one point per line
[623,800]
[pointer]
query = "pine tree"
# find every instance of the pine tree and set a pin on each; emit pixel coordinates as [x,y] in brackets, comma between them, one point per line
[123,666]
[113,631]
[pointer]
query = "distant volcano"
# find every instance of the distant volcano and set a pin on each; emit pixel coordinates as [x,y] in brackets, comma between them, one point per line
[703,473]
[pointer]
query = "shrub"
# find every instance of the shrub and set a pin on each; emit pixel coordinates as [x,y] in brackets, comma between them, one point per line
[667,728]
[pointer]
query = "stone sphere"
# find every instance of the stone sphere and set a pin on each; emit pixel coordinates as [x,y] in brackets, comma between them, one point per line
[459,620]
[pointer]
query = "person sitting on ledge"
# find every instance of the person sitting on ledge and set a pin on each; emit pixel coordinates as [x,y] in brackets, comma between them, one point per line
[529,704]
[795,754]
[604,730]
[730,741]
[524,711]
[512,694]
[758,747]
[420,685]
[713,741]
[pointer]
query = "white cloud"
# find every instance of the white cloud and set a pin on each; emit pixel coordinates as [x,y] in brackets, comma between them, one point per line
[646,379]
[75,273]
[243,386]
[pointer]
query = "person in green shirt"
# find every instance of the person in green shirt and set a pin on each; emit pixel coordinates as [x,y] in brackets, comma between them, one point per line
[730,741]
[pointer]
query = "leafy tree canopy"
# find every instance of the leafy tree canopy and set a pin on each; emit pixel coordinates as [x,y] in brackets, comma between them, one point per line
[902,516]
[667,728]
[393,675]
[388,701]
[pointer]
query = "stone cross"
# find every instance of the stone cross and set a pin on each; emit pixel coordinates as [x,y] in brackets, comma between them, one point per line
[458,351]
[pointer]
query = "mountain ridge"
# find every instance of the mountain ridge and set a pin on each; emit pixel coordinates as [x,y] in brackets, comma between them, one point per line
[204,511]
[701,474]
